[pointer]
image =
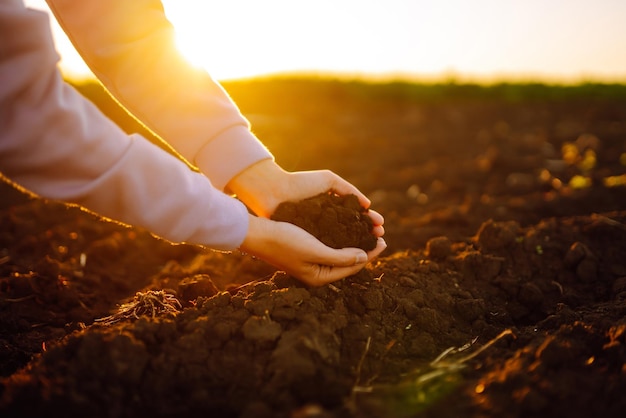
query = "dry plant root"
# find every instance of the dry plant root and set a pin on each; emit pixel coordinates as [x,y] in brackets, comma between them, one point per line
[152,303]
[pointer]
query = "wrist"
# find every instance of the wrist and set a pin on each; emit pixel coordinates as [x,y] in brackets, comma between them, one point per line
[257,236]
[258,186]
[229,153]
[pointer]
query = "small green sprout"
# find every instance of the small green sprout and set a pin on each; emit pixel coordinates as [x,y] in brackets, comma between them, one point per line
[422,387]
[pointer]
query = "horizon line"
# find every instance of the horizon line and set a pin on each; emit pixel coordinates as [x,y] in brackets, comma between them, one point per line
[449,77]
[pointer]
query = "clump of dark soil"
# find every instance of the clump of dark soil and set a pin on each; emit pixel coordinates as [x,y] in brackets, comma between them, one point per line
[337,221]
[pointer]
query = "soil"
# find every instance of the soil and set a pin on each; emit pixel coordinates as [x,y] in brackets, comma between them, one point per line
[502,292]
[337,221]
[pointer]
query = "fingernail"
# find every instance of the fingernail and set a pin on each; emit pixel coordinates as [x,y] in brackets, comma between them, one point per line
[382,240]
[360,258]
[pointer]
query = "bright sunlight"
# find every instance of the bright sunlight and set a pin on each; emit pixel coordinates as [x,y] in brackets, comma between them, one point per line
[247,38]
[482,40]
[218,47]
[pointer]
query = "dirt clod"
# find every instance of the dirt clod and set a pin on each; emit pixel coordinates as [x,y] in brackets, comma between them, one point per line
[439,248]
[337,221]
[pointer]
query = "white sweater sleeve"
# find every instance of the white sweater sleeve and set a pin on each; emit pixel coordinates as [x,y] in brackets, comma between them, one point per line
[130,47]
[56,144]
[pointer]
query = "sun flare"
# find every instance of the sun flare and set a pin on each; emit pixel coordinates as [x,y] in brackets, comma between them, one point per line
[426,40]
[219,38]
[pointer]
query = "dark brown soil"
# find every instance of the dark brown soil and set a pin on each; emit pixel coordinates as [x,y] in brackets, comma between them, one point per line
[337,221]
[502,292]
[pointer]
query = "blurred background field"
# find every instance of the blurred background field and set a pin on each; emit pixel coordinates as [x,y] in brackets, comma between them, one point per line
[435,154]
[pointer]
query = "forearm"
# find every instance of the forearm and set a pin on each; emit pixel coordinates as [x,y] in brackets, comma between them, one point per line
[130,46]
[149,187]
[264,185]
[56,144]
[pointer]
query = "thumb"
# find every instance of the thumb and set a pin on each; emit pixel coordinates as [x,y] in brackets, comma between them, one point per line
[346,262]
[347,257]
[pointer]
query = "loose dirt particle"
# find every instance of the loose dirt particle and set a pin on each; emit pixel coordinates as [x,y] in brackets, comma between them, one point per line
[495,235]
[261,329]
[439,248]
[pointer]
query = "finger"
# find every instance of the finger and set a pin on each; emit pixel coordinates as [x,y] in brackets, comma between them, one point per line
[343,257]
[328,275]
[377,218]
[381,245]
[343,187]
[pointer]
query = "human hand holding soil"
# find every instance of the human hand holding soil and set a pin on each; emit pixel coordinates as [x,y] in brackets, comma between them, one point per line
[300,254]
[263,187]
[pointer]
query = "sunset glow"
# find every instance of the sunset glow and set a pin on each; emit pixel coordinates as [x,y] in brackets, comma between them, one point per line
[482,40]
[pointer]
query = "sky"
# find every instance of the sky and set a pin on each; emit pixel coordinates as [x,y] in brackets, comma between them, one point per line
[468,40]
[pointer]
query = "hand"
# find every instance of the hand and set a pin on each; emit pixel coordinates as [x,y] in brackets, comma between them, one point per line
[264,185]
[300,254]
